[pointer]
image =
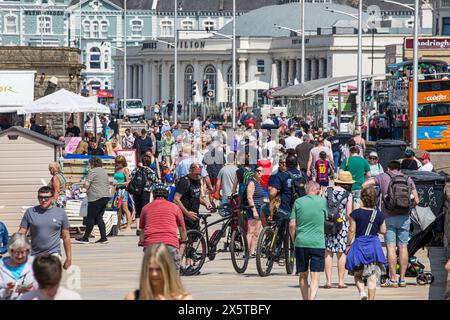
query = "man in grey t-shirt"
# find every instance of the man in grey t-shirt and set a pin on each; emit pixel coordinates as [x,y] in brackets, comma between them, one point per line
[226,178]
[47,224]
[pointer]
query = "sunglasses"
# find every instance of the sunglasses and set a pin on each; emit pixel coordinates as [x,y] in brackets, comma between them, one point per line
[44,198]
[259,171]
[372,158]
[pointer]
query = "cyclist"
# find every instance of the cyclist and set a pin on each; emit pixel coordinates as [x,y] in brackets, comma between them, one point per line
[188,196]
[161,221]
[282,184]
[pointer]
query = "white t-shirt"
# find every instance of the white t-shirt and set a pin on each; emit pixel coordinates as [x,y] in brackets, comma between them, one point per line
[197,125]
[292,142]
[426,167]
[61,294]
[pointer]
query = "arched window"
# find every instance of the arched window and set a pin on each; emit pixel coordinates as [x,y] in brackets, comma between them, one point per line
[230,83]
[209,25]
[171,82]
[87,28]
[104,28]
[210,75]
[166,28]
[10,24]
[136,27]
[188,81]
[95,85]
[94,58]
[95,29]
[187,25]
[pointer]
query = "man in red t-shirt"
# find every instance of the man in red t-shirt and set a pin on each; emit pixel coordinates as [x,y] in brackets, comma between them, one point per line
[161,221]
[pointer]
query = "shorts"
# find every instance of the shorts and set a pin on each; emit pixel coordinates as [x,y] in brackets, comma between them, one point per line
[309,259]
[324,183]
[249,214]
[397,230]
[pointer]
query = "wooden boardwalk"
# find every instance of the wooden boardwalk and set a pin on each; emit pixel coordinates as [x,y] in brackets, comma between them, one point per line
[110,271]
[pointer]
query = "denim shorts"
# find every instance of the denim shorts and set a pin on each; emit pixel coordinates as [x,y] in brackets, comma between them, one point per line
[397,230]
[310,259]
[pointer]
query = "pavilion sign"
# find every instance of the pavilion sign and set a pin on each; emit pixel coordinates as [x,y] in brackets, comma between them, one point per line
[429,44]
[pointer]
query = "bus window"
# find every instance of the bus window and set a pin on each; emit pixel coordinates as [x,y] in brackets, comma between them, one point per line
[434,109]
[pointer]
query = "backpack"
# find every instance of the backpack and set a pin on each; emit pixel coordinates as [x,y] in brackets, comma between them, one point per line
[248,176]
[297,183]
[333,221]
[398,199]
[138,182]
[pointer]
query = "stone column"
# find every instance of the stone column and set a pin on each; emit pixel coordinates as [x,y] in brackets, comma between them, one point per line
[181,68]
[291,74]
[322,71]
[136,81]
[298,69]
[283,72]
[165,82]
[313,69]
[242,78]
[220,87]
[129,81]
[274,74]
[146,84]
[141,81]
[198,78]
[154,82]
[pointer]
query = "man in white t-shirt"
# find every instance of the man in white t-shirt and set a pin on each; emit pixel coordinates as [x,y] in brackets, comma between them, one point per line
[292,141]
[426,163]
[197,124]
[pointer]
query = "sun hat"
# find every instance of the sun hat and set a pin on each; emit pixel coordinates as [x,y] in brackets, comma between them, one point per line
[166,123]
[344,177]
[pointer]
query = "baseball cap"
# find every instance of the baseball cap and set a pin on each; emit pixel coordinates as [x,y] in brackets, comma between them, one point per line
[409,153]
[373,154]
[425,156]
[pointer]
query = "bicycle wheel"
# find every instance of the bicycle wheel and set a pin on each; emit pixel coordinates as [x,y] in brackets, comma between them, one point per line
[289,253]
[264,254]
[239,250]
[195,254]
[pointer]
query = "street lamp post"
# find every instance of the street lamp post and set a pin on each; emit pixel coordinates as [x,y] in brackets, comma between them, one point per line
[359,65]
[175,75]
[234,67]
[125,76]
[414,142]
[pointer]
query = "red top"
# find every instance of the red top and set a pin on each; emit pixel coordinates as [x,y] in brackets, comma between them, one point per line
[159,222]
[267,171]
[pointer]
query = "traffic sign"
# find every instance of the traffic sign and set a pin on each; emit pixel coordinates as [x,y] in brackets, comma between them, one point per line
[210,93]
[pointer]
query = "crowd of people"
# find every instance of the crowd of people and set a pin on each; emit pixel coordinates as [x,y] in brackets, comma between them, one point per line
[288,170]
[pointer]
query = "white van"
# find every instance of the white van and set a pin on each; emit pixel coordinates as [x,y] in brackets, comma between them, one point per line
[133,110]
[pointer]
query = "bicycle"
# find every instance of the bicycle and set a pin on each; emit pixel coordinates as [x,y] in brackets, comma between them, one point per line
[272,240]
[199,245]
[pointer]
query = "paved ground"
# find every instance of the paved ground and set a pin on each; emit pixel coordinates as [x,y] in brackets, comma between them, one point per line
[110,271]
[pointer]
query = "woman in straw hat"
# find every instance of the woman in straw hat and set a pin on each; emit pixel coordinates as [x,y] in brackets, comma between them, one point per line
[341,196]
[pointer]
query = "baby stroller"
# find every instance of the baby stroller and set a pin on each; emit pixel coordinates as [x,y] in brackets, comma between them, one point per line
[419,240]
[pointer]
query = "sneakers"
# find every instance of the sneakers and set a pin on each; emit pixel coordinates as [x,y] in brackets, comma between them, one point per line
[102,241]
[391,284]
[362,296]
[82,240]
[402,283]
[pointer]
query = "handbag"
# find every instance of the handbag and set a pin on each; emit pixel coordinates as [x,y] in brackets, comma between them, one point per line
[84,207]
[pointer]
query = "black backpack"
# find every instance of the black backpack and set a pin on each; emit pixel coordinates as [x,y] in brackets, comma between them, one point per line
[333,221]
[398,198]
[138,182]
[298,183]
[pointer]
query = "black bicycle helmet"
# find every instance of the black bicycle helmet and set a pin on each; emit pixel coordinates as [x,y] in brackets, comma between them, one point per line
[161,191]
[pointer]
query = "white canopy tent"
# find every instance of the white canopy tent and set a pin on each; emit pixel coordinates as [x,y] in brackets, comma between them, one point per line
[254,85]
[63,101]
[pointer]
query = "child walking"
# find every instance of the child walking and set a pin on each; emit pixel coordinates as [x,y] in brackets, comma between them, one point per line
[323,171]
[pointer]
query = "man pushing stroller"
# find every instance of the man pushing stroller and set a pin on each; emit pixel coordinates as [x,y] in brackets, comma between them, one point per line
[399,196]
